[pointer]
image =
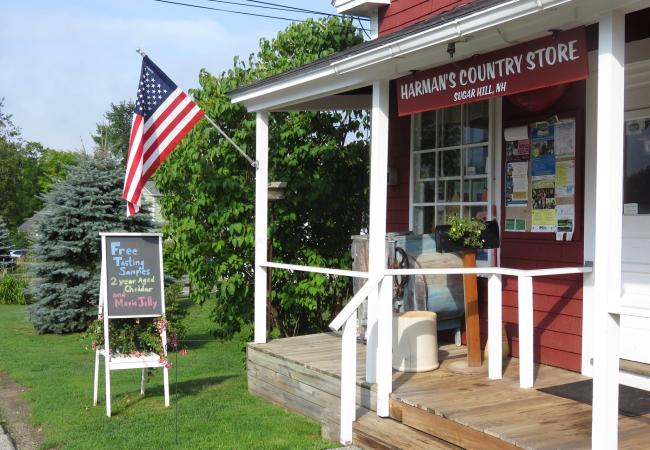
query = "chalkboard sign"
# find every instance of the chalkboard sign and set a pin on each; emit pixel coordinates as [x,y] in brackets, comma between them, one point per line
[133,278]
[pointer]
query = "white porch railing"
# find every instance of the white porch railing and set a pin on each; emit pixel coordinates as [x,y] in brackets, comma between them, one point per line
[347,320]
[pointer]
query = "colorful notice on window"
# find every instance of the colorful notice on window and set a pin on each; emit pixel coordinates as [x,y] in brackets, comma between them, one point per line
[518,150]
[515,225]
[543,192]
[543,221]
[543,197]
[565,215]
[543,150]
[565,178]
[517,184]
[565,138]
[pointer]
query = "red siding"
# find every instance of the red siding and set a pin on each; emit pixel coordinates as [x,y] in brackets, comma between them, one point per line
[399,147]
[557,301]
[402,13]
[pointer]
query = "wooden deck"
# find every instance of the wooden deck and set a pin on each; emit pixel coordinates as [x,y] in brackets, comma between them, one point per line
[437,409]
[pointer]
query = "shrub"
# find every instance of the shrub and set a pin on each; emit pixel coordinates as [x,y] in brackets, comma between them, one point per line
[13,290]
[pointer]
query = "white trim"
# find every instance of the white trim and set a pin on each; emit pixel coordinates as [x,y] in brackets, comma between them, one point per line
[634,380]
[377,218]
[129,234]
[261,222]
[423,49]
[324,270]
[608,242]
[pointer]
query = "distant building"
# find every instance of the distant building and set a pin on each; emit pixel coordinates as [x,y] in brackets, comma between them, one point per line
[150,200]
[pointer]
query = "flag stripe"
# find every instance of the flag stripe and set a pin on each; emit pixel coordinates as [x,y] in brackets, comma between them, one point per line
[134,167]
[154,163]
[181,110]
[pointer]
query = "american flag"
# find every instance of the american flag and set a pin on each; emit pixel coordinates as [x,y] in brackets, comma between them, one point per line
[163,115]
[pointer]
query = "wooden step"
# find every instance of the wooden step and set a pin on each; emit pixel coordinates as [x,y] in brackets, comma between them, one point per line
[372,432]
[445,430]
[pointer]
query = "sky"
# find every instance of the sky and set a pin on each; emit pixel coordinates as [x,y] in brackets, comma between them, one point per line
[62,62]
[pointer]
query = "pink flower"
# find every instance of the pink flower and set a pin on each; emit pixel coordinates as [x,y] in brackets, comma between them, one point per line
[183,352]
[165,362]
[137,354]
[161,325]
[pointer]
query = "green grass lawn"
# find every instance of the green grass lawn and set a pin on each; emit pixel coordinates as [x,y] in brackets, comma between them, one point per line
[212,409]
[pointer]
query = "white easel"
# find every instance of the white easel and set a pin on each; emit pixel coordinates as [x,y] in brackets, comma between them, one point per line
[112,362]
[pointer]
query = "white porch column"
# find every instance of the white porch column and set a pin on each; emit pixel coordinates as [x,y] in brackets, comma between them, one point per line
[261,221]
[609,199]
[377,218]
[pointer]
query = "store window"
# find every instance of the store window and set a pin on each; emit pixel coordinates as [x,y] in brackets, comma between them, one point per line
[636,188]
[451,168]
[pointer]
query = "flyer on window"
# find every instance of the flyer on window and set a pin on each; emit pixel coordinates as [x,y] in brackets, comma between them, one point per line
[543,197]
[565,138]
[565,178]
[517,184]
[543,150]
[565,215]
[518,150]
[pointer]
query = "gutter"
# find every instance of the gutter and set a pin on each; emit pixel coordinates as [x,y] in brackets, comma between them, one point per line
[447,32]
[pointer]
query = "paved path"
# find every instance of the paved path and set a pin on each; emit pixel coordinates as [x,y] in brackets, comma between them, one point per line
[5,442]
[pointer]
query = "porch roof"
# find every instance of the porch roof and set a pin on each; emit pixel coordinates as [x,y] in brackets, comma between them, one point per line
[332,82]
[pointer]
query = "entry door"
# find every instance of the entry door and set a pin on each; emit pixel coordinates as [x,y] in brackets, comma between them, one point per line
[635,331]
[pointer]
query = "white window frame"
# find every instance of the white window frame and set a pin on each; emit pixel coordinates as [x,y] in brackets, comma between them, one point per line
[488,176]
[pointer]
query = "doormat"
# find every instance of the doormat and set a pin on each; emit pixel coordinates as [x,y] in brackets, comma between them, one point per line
[632,402]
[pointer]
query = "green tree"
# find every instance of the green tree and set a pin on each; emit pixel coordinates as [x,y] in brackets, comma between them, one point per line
[54,165]
[66,269]
[112,136]
[18,172]
[209,191]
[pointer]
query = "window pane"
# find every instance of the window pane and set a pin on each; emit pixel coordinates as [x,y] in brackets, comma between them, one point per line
[476,161]
[449,190]
[450,127]
[425,191]
[476,123]
[475,190]
[636,188]
[425,131]
[445,211]
[427,163]
[450,163]
[478,212]
[423,218]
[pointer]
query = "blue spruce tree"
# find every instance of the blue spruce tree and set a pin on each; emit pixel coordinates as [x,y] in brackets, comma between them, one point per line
[67,250]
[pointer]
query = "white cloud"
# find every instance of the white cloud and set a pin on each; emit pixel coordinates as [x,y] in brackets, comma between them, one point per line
[60,72]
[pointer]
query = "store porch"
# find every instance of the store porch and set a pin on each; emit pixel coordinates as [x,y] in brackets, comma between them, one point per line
[437,409]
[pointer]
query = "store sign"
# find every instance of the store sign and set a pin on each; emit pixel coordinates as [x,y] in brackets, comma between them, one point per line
[548,61]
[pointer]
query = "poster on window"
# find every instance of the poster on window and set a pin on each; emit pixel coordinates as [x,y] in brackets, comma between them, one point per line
[565,178]
[543,150]
[565,138]
[517,184]
[565,215]
[543,198]
[518,150]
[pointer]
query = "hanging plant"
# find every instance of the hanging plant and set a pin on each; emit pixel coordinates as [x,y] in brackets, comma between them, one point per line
[462,233]
[467,231]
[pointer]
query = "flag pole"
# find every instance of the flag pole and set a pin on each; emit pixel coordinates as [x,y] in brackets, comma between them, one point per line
[223,133]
